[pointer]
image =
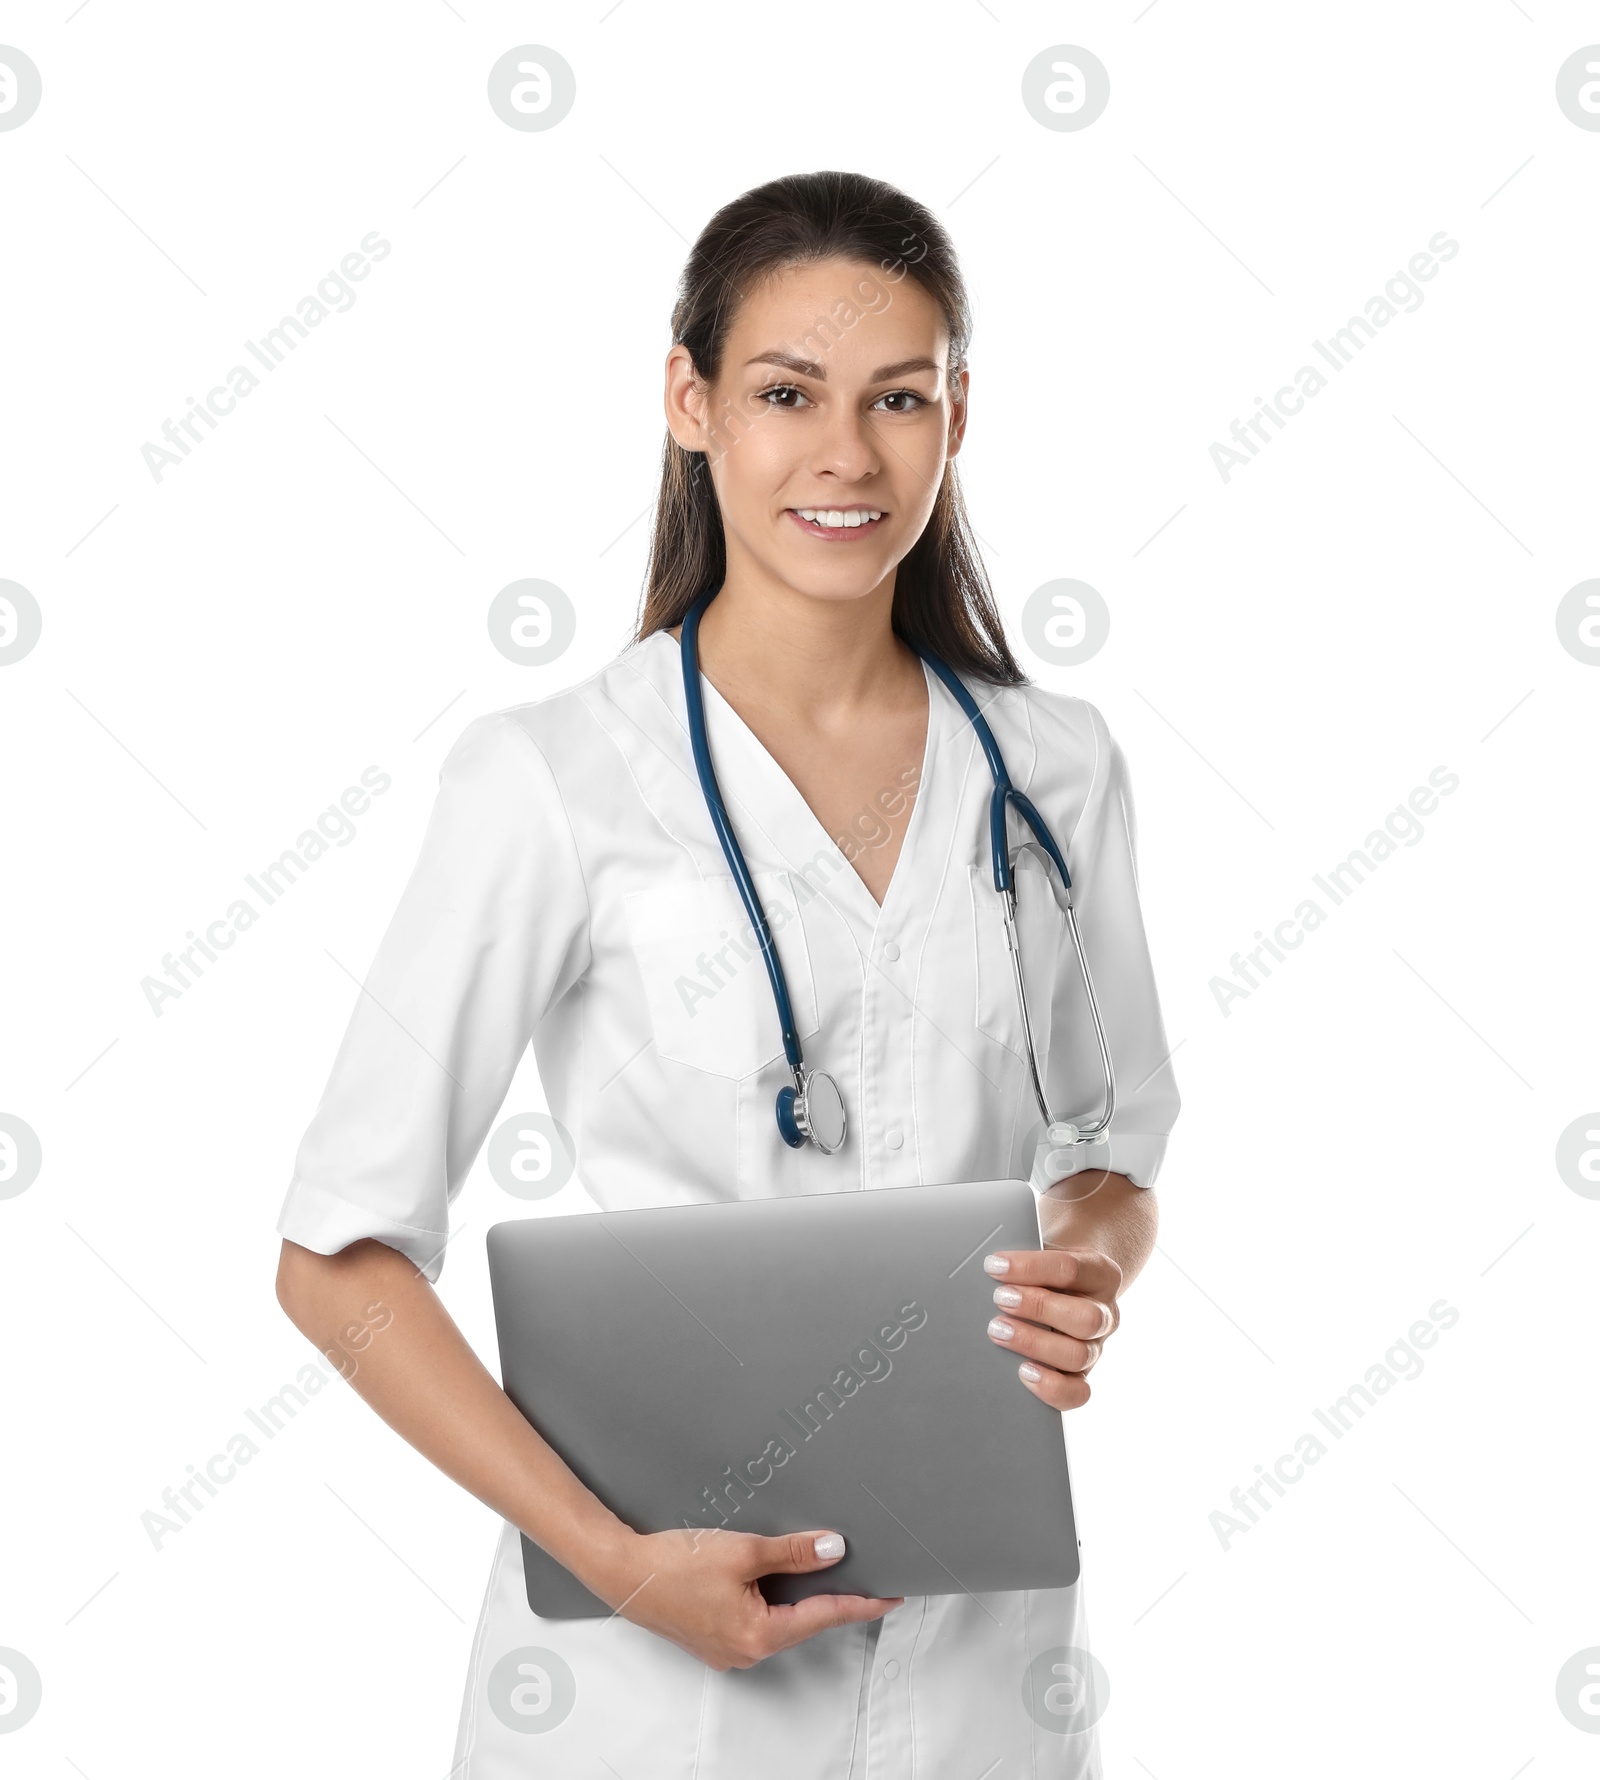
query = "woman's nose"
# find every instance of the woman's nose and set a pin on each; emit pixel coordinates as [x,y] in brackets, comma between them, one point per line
[847,446]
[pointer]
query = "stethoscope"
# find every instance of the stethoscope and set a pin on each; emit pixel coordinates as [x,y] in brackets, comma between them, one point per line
[812,1110]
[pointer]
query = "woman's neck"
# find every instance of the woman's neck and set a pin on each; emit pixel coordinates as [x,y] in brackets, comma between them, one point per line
[825,660]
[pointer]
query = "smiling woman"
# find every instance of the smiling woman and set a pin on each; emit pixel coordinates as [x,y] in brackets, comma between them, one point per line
[835,391]
[640,875]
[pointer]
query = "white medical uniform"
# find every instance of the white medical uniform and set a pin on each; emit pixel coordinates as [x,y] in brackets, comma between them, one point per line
[571,891]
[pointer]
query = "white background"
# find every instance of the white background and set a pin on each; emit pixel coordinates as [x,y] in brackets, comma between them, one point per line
[223,652]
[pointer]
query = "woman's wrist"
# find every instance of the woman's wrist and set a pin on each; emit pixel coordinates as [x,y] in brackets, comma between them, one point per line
[609,1564]
[598,1549]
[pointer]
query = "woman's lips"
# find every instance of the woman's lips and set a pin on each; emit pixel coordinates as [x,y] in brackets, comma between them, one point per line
[835,533]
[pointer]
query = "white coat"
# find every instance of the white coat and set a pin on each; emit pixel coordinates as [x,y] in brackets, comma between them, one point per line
[571,891]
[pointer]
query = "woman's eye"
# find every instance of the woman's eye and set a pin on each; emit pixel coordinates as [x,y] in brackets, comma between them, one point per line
[786,395]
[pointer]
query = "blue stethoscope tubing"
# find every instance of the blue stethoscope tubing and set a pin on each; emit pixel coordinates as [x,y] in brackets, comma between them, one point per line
[812,1110]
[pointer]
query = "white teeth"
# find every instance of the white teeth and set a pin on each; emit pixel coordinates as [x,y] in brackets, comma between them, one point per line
[833,516]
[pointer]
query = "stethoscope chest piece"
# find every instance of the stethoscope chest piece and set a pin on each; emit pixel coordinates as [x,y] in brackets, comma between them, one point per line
[812,1111]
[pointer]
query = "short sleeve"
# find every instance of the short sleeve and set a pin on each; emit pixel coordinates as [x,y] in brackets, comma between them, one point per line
[491,930]
[1105,895]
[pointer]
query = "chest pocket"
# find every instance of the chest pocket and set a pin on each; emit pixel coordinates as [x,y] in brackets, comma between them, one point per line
[1041,929]
[705,980]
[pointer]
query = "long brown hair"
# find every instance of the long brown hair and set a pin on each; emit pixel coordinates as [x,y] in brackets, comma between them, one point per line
[942,597]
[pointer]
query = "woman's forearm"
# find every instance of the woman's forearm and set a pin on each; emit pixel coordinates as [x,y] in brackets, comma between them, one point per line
[387,1331]
[1101,1210]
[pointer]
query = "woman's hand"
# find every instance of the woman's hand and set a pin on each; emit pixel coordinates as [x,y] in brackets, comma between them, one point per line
[698,1587]
[1059,1305]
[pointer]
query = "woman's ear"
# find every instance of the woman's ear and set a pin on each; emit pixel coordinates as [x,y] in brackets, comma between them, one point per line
[958,413]
[684,400]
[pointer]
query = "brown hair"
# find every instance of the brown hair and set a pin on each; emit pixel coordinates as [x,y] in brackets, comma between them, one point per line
[942,597]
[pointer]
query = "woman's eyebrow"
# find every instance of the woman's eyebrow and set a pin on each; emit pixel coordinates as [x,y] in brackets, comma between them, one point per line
[805,367]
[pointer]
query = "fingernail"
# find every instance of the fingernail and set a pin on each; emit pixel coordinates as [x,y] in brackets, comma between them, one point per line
[1008,1296]
[1031,1373]
[1001,1329]
[830,1545]
[996,1264]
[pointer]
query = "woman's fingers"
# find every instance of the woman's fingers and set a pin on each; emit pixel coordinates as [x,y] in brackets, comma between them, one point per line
[1086,1319]
[767,1554]
[1064,1352]
[704,1593]
[1073,1291]
[792,1623]
[1061,1390]
[1089,1272]
[1054,1309]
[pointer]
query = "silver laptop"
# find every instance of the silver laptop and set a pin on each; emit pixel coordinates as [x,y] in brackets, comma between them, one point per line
[774,1365]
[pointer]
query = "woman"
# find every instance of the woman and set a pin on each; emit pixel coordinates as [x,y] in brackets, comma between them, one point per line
[571,891]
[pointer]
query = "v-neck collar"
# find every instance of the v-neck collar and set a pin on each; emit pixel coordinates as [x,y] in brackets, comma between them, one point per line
[769,799]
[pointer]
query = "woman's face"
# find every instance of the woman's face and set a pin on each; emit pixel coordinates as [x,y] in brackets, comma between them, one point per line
[832,401]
